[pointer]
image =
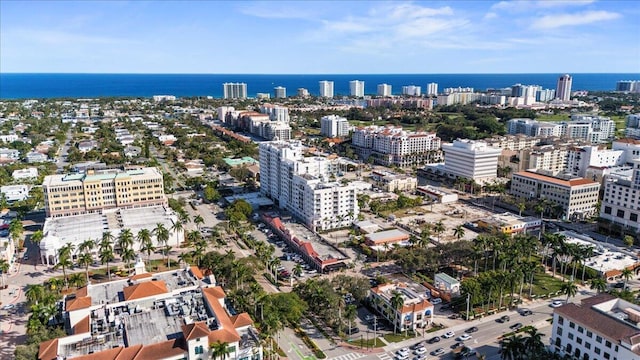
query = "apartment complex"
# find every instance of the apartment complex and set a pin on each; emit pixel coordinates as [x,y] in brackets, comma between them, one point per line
[594,129]
[577,197]
[173,315]
[391,145]
[326,89]
[276,112]
[633,125]
[411,90]
[280,92]
[306,186]
[563,89]
[599,327]
[384,90]
[98,190]
[356,88]
[234,90]
[473,160]
[270,125]
[432,89]
[415,313]
[333,126]
[621,200]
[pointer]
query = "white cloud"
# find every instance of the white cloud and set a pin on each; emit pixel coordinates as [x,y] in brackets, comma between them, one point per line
[582,18]
[490,16]
[528,5]
[270,10]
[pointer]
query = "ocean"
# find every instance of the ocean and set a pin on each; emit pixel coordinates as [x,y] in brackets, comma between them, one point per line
[45,86]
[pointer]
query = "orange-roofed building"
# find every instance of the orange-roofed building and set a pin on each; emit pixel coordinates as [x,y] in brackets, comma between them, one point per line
[575,198]
[416,311]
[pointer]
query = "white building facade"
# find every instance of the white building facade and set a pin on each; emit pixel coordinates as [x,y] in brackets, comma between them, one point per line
[474,160]
[384,90]
[333,126]
[356,88]
[234,90]
[326,89]
[621,200]
[394,146]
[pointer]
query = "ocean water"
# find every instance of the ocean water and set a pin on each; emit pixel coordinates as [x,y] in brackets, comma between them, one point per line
[38,86]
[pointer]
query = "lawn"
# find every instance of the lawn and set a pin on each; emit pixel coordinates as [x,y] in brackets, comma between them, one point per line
[368,343]
[553,117]
[399,336]
[404,212]
[544,284]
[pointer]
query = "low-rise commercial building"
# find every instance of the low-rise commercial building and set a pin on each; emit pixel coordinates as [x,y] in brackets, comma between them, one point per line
[510,224]
[412,312]
[437,194]
[384,240]
[447,284]
[577,197]
[599,327]
[170,315]
[470,159]
[392,182]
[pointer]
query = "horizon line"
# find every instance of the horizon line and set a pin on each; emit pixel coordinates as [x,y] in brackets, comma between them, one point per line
[305,74]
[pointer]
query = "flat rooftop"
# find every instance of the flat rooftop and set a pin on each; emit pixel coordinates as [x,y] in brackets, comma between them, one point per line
[324,250]
[604,259]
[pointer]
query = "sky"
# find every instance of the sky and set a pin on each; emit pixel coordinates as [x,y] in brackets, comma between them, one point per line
[320,37]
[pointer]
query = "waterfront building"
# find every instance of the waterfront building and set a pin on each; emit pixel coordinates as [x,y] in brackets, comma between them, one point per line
[356,88]
[595,129]
[432,89]
[621,199]
[628,86]
[544,95]
[280,92]
[563,88]
[416,311]
[575,197]
[470,159]
[234,90]
[326,89]
[411,90]
[303,93]
[599,327]
[391,145]
[333,126]
[177,314]
[384,90]
[96,191]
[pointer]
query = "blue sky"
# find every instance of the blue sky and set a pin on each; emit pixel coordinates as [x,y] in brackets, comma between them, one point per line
[314,37]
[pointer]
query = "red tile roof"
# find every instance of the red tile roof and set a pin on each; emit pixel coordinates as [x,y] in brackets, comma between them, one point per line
[195,330]
[196,272]
[48,350]
[144,290]
[241,320]
[78,303]
[82,326]
[553,180]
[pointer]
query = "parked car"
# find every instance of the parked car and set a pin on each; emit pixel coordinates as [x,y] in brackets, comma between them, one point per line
[556,303]
[420,351]
[454,316]
[504,319]
[457,345]
[515,326]
[354,330]
[416,346]
[8,307]
[436,301]
[420,357]
[434,340]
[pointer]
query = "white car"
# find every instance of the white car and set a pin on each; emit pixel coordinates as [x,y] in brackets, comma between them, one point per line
[8,307]
[557,303]
[464,337]
[421,350]
[439,351]
[435,301]
[449,335]
[404,351]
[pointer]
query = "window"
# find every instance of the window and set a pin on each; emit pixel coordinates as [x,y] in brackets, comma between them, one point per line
[607,209]
[587,345]
[570,336]
[607,356]
[579,340]
[572,325]
[599,339]
[589,333]
[580,329]
[597,351]
[608,344]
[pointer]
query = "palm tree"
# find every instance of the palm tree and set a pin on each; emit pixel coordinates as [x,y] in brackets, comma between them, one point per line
[297,270]
[35,293]
[626,274]
[54,284]
[64,260]
[198,220]
[570,289]
[439,228]
[350,313]
[4,268]
[397,302]
[76,280]
[533,342]
[162,235]
[177,228]
[512,348]
[219,350]
[458,232]
[521,207]
[125,240]
[128,255]
[599,285]
[146,243]
[106,253]
[85,259]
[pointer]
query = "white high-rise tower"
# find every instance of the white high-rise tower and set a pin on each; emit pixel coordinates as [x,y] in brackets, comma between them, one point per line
[356,88]
[326,89]
[563,90]
[384,90]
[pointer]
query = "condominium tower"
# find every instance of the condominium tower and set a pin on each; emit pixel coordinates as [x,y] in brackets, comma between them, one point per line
[334,126]
[563,89]
[326,89]
[356,88]
[432,89]
[473,160]
[384,90]
[280,92]
[235,90]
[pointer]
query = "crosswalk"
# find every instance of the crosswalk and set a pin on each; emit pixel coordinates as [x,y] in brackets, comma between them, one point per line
[350,356]
[384,356]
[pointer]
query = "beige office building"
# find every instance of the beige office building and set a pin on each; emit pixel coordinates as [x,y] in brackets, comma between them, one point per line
[95,191]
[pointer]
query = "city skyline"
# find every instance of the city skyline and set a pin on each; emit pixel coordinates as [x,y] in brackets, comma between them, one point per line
[580,36]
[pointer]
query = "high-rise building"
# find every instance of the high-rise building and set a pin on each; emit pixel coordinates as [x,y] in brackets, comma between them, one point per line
[628,86]
[621,198]
[473,160]
[563,89]
[356,88]
[326,89]
[235,90]
[384,90]
[334,126]
[302,92]
[394,146]
[411,90]
[302,185]
[432,89]
[280,92]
